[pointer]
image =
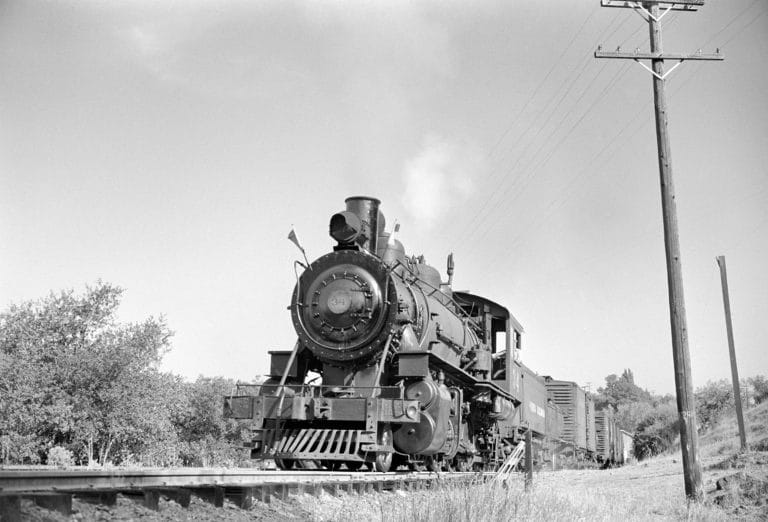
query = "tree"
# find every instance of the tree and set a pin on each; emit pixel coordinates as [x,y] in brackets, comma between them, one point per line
[620,390]
[70,375]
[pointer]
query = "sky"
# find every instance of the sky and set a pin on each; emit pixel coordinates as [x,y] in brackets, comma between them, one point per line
[168,148]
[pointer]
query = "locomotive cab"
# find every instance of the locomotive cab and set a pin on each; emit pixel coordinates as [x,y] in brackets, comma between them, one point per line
[499,330]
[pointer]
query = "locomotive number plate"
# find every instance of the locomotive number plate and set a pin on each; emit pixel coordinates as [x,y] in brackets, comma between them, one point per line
[339,302]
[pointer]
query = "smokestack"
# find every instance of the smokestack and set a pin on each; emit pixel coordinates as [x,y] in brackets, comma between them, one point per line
[367,209]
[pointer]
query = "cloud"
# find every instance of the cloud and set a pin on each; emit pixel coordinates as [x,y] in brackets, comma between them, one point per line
[151,47]
[439,178]
[145,41]
[367,58]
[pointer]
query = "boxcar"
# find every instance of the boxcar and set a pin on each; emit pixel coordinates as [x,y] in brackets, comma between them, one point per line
[571,400]
[591,434]
[554,421]
[603,421]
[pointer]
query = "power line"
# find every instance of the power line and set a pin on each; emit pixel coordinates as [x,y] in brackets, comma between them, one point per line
[471,223]
[535,167]
[509,183]
[541,83]
[588,167]
[566,193]
[745,27]
[485,212]
[669,23]
[750,6]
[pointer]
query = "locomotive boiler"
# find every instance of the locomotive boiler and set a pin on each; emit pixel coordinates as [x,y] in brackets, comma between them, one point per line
[391,366]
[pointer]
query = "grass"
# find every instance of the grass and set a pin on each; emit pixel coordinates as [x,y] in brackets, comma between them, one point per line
[723,438]
[649,490]
[548,500]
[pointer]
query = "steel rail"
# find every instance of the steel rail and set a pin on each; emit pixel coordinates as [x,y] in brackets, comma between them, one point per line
[13,482]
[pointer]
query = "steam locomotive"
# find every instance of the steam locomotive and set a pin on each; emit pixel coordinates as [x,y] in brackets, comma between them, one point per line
[412,373]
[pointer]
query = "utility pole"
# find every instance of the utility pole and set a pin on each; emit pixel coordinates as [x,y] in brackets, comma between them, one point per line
[732,351]
[653,11]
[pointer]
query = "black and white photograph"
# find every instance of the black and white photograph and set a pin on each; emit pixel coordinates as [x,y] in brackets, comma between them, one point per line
[383,260]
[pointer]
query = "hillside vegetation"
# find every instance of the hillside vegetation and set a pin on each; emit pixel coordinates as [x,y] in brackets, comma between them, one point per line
[653,418]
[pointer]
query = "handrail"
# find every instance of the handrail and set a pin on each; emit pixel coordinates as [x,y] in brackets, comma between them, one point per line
[502,474]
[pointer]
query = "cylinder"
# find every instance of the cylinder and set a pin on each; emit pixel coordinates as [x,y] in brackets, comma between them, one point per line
[367,209]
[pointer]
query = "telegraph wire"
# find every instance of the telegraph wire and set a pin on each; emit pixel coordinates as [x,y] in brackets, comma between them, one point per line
[579,66]
[517,119]
[497,172]
[750,6]
[560,201]
[523,183]
[549,210]
[745,27]
[489,210]
[554,150]
[619,73]
[493,202]
[508,183]
[541,83]
[485,212]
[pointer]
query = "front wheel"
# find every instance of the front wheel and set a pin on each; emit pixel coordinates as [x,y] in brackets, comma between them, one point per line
[285,464]
[331,465]
[354,465]
[383,460]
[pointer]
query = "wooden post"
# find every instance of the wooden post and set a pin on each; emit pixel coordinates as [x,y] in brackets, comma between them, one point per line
[528,459]
[554,460]
[686,405]
[732,352]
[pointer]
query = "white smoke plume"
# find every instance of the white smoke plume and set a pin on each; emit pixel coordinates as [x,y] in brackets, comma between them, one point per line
[439,179]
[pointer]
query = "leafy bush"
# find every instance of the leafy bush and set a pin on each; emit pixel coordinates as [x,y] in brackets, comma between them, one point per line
[657,432]
[759,385]
[206,437]
[712,400]
[61,457]
[210,452]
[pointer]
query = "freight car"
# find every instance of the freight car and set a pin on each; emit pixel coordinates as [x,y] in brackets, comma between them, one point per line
[610,442]
[572,401]
[392,367]
[587,434]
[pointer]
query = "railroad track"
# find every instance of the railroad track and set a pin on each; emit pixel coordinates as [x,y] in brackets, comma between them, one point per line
[54,489]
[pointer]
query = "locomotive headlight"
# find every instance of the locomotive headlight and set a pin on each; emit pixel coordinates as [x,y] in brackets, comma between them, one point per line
[345,227]
[412,412]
